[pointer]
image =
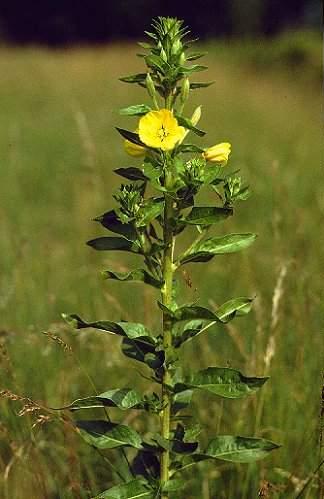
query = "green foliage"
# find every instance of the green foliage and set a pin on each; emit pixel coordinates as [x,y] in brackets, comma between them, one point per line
[152,211]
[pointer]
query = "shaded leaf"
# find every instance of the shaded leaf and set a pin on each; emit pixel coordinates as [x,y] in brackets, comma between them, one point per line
[131,173]
[222,381]
[136,489]
[203,251]
[239,449]
[142,352]
[113,244]
[134,275]
[136,110]
[110,221]
[131,136]
[107,435]
[146,464]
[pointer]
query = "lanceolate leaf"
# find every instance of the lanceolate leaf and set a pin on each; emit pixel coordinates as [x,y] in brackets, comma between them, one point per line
[104,435]
[225,313]
[131,173]
[110,221]
[207,215]
[185,122]
[137,78]
[205,250]
[137,110]
[113,244]
[136,489]
[221,381]
[132,330]
[195,85]
[236,307]
[239,449]
[124,398]
[131,136]
[142,352]
[189,148]
[135,275]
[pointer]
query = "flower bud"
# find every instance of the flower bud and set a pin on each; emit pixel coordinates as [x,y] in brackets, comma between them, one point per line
[150,86]
[133,149]
[218,153]
[196,116]
[185,87]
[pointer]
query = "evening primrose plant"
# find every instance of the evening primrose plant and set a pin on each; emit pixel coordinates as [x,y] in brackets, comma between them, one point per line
[155,205]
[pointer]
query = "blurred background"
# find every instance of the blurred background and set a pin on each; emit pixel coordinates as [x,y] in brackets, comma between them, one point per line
[59,99]
[65,21]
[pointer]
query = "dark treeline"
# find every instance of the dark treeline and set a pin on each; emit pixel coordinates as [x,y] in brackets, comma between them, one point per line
[57,22]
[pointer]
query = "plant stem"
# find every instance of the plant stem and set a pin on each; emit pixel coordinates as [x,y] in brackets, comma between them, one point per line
[166,292]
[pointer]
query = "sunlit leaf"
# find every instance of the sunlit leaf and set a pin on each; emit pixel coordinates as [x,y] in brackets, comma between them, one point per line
[203,251]
[136,489]
[222,381]
[239,449]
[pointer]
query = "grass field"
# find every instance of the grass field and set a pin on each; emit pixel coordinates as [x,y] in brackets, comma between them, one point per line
[58,148]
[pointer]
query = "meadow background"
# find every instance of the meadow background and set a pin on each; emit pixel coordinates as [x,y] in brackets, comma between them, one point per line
[58,148]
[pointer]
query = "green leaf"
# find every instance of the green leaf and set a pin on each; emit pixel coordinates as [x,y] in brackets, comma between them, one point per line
[113,244]
[202,84]
[131,173]
[235,307]
[186,123]
[151,209]
[191,329]
[239,449]
[136,78]
[155,62]
[207,215]
[203,251]
[110,221]
[135,275]
[125,398]
[142,352]
[132,330]
[131,136]
[137,110]
[188,312]
[189,148]
[222,381]
[173,485]
[191,69]
[181,401]
[195,55]
[106,435]
[136,489]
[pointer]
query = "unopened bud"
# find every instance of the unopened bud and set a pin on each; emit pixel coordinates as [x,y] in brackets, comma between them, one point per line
[182,59]
[185,90]
[150,86]
[196,116]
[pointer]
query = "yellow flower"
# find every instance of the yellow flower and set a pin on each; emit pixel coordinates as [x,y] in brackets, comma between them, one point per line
[133,149]
[218,153]
[160,129]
